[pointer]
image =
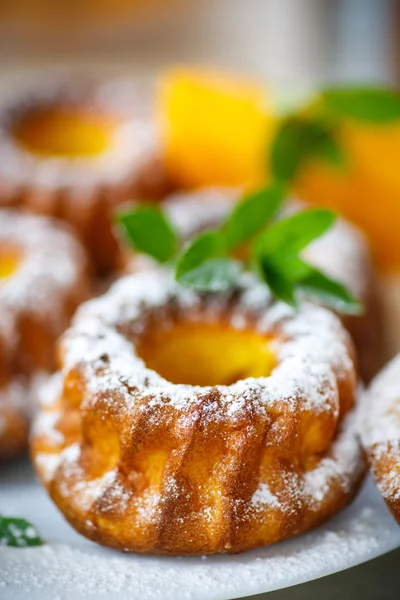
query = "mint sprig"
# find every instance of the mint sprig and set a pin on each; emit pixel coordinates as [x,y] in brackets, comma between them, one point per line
[148,230]
[206,246]
[374,105]
[298,141]
[209,263]
[329,292]
[282,288]
[213,275]
[277,253]
[204,265]
[294,233]
[312,133]
[252,214]
[18,533]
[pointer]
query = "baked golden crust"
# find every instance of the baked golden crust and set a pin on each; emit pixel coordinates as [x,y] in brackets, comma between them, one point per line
[43,278]
[138,463]
[380,428]
[123,162]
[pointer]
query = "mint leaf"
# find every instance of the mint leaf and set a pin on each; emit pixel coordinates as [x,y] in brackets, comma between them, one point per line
[330,292]
[291,267]
[148,231]
[18,533]
[206,246]
[297,141]
[365,104]
[276,253]
[204,266]
[252,214]
[288,275]
[213,275]
[294,233]
[332,153]
[281,288]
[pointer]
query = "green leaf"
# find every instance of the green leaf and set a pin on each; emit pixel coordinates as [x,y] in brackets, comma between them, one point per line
[213,275]
[18,533]
[332,153]
[281,288]
[210,244]
[330,292]
[149,231]
[299,140]
[366,104]
[291,267]
[204,266]
[252,214]
[294,233]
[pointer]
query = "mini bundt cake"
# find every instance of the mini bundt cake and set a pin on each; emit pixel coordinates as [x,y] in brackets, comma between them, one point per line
[380,428]
[187,423]
[75,149]
[341,253]
[43,278]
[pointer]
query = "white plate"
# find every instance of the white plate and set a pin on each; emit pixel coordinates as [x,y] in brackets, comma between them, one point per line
[70,567]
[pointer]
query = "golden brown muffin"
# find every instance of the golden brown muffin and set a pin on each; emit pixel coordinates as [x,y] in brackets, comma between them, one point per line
[43,278]
[342,253]
[380,429]
[75,149]
[187,423]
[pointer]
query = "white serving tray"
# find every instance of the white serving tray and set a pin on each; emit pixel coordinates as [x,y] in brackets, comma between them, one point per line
[69,567]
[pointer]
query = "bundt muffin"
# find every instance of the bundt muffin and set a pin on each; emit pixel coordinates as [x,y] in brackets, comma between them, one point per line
[76,149]
[380,429]
[43,278]
[187,423]
[341,253]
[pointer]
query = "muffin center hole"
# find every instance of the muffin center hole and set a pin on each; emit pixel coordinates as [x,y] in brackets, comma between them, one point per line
[207,354]
[64,132]
[10,259]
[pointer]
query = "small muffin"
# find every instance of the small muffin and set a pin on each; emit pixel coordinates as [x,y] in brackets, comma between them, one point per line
[75,149]
[186,423]
[380,429]
[43,278]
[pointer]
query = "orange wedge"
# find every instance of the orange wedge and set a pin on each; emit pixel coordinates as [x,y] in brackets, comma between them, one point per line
[216,129]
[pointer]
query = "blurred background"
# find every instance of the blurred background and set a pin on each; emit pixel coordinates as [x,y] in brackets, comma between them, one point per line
[288,42]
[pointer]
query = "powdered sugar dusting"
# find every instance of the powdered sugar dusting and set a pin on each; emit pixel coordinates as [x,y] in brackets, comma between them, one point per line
[263,497]
[36,298]
[311,349]
[381,417]
[342,462]
[307,361]
[133,142]
[82,572]
[50,264]
[380,429]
